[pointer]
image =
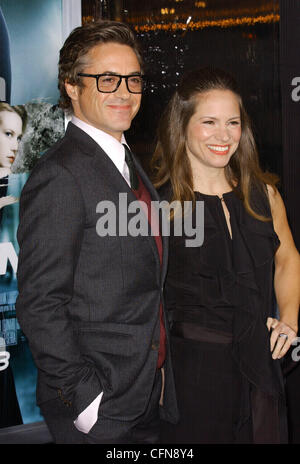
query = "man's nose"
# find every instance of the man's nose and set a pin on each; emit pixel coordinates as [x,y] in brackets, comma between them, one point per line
[122,91]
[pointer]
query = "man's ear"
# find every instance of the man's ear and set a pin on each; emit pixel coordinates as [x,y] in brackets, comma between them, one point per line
[72,90]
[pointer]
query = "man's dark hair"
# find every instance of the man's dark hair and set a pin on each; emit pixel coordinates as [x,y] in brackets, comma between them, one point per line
[73,54]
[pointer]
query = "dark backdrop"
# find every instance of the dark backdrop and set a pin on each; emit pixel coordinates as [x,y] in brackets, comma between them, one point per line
[250,52]
[290,87]
[290,92]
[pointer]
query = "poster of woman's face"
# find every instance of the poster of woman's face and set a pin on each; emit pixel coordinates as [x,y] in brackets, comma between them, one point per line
[11,130]
[12,126]
[10,134]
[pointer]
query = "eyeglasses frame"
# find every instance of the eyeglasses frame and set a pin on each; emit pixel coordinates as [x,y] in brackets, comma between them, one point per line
[120,76]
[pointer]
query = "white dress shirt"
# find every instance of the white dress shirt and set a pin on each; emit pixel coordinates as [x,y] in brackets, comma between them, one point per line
[115,150]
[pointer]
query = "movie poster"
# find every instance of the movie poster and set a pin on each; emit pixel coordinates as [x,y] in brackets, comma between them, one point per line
[30,122]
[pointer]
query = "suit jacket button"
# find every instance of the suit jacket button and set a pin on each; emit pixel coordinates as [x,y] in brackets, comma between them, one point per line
[154,346]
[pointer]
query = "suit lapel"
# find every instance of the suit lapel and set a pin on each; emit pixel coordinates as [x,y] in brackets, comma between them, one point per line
[113,179]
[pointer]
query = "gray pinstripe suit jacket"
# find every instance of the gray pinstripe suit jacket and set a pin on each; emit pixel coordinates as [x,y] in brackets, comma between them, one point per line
[88,305]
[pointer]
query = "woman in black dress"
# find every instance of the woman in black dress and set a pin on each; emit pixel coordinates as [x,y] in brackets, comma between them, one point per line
[226,342]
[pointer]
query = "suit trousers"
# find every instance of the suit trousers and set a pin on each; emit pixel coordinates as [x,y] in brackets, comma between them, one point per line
[143,430]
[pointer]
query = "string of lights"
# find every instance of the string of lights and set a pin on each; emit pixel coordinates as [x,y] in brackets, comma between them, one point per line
[191,25]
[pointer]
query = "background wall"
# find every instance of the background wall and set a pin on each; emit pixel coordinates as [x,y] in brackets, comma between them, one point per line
[240,36]
[290,87]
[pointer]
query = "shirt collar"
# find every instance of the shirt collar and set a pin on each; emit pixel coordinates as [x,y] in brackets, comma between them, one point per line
[112,147]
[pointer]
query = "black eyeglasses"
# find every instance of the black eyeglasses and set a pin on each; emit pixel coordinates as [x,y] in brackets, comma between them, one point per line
[108,83]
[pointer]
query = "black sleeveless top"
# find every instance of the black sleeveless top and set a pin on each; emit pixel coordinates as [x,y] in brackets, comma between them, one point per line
[227,284]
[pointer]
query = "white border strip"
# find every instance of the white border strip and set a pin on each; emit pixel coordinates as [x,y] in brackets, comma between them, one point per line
[71,16]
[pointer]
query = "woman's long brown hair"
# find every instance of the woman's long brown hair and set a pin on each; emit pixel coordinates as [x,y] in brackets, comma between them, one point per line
[170,161]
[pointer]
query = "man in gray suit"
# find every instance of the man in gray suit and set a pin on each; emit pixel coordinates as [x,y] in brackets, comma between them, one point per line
[90,302]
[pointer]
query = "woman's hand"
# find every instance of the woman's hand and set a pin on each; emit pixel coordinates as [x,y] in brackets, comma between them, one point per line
[281,338]
[9,200]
